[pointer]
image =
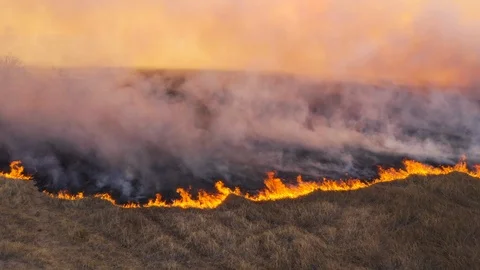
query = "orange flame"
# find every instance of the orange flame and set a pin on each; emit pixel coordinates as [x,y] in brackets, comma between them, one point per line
[16,172]
[204,201]
[275,188]
[64,195]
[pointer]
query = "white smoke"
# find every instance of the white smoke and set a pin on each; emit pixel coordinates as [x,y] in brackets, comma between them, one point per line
[161,126]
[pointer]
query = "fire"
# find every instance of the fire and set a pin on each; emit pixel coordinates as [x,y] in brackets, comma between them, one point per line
[16,172]
[204,201]
[275,188]
[64,195]
[107,197]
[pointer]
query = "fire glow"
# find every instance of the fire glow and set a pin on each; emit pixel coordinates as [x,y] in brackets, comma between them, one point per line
[275,188]
[414,41]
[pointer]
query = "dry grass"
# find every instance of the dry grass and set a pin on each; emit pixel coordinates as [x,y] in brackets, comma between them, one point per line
[421,223]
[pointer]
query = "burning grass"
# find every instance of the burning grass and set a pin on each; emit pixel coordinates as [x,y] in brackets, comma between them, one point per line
[275,188]
[422,222]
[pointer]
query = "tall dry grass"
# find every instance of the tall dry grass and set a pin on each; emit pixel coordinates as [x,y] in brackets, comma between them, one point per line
[420,223]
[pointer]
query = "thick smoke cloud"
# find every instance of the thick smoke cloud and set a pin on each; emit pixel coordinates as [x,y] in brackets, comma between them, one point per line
[77,126]
[134,133]
[414,41]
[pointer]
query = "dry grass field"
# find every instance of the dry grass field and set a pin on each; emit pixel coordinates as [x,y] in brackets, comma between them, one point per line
[420,223]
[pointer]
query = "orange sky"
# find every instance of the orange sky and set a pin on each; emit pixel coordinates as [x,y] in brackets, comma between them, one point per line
[434,41]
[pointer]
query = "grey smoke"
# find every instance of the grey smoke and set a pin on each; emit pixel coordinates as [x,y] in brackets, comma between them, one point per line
[137,132]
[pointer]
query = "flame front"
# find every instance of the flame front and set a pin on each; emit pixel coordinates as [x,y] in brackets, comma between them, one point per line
[275,188]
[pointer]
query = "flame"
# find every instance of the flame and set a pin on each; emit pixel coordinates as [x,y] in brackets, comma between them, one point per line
[275,188]
[107,197]
[16,172]
[204,201]
[64,195]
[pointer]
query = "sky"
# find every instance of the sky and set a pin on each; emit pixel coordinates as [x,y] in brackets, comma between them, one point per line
[414,41]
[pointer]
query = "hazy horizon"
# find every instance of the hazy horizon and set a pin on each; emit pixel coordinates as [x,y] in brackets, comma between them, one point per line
[413,41]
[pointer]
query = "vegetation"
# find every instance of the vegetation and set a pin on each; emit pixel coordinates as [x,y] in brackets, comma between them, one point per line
[419,223]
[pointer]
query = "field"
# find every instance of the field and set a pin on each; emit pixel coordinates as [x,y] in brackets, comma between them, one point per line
[419,223]
[233,135]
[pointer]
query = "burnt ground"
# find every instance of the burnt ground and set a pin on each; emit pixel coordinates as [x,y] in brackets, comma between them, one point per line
[76,171]
[419,223]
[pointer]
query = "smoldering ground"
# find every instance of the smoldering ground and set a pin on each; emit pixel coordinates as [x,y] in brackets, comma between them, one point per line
[135,133]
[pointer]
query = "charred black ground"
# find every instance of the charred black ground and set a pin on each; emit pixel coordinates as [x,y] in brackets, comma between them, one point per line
[377,119]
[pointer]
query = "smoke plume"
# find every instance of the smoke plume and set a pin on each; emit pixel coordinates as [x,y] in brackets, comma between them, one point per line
[133,133]
[138,98]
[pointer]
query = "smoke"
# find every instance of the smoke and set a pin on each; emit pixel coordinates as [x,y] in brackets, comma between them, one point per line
[133,133]
[412,41]
[82,117]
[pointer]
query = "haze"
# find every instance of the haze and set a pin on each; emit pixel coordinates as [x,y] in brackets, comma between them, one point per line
[414,41]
